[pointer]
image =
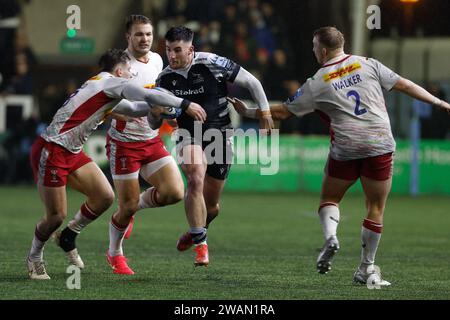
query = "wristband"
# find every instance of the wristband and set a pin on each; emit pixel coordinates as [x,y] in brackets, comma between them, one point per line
[185,104]
[266,113]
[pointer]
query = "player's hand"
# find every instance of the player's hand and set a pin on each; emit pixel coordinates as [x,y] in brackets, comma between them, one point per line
[118,116]
[238,105]
[196,111]
[156,110]
[265,122]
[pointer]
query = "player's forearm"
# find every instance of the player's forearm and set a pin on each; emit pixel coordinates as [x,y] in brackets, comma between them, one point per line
[154,97]
[279,112]
[132,109]
[247,80]
[416,91]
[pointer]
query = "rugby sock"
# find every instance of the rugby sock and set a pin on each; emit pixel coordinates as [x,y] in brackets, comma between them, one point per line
[370,235]
[209,218]
[82,218]
[37,246]
[116,233]
[329,218]
[148,199]
[198,235]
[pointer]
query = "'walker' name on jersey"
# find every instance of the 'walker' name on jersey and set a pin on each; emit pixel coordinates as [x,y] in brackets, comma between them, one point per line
[350,81]
[341,72]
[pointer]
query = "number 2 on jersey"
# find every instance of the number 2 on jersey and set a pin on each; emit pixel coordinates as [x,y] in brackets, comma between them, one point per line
[355,94]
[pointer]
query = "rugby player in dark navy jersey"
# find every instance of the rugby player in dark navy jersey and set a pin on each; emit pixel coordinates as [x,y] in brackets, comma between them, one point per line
[202,77]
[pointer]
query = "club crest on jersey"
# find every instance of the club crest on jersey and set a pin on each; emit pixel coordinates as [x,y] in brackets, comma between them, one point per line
[174,82]
[197,78]
[342,72]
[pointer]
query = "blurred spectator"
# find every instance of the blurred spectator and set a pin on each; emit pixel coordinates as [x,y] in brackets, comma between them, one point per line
[262,35]
[22,81]
[18,145]
[202,37]
[437,124]
[9,22]
[53,97]
[227,30]
[270,19]
[22,60]
[278,72]
[176,8]
[244,46]
[262,66]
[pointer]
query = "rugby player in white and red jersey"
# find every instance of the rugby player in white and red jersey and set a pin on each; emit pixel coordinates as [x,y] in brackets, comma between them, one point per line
[347,93]
[57,158]
[134,149]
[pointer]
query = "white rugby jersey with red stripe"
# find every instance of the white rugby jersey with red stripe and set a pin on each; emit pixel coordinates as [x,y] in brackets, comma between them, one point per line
[144,75]
[84,110]
[347,92]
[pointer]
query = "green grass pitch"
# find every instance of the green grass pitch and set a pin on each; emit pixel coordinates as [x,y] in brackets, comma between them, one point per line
[262,246]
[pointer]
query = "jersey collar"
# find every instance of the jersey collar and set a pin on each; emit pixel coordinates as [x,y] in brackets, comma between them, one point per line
[336,60]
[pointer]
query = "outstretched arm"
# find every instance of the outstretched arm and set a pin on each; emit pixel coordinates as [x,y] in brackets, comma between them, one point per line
[279,112]
[160,98]
[131,109]
[417,92]
[247,80]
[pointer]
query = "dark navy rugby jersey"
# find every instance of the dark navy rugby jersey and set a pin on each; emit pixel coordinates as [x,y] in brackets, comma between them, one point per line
[204,82]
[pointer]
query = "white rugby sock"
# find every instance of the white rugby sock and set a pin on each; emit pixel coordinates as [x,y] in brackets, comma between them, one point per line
[148,199]
[37,246]
[329,218]
[82,218]
[370,235]
[116,234]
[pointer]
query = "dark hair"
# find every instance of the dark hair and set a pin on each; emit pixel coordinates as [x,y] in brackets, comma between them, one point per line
[111,58]
[179,33]
[330,37]
[136,19]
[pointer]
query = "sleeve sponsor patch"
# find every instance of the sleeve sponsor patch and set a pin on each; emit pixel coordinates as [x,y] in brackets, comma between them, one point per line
[223,62]
[298,94]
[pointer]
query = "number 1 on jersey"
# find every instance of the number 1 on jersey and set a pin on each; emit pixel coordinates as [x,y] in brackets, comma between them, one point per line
[355,94]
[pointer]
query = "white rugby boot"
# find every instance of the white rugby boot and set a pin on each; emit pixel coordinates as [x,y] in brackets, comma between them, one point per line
[36,270]
[371,276]
[327,253]
[72,256]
